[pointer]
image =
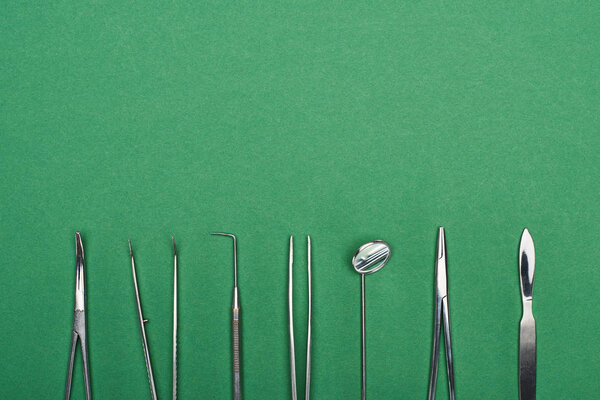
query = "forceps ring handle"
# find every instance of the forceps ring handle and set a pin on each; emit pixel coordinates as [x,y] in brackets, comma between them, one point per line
[237,384]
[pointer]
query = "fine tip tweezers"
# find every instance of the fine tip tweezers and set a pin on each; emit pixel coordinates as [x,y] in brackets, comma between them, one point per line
[441,311]
[79,325]
[291,322]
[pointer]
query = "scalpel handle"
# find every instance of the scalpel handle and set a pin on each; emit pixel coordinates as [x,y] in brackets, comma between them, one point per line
[527,358]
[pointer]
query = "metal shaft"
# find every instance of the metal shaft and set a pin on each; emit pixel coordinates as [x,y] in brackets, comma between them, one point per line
[291,321]
[448,341]
[309,335]
[235,324]
[143,328]
[435,355]
[364,338]
[174,320]
[237,378]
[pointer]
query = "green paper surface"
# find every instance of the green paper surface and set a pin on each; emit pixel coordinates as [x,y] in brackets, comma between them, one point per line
[347,121]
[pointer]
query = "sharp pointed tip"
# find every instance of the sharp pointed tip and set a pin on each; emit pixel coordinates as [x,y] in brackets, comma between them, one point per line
[130,249]
[174,247]
[526,239]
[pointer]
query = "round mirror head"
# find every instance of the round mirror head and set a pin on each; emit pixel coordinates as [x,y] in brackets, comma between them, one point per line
[371,257]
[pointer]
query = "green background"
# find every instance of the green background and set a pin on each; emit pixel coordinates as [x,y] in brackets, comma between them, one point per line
[343,120]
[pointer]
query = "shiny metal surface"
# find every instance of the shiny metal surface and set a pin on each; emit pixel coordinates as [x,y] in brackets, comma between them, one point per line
[142,322]
[368,259]
[236,337]
[371,257]
[309,334]
[79,323]
[291,322]
[174,319]
[527,332]
[441,313]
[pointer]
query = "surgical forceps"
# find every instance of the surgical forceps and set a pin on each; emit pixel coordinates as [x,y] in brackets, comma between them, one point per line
[291,323]
[142,327]
[441,308]
[235,308]
[79,326]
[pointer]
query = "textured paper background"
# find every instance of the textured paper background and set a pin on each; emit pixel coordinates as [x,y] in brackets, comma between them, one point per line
[346,121]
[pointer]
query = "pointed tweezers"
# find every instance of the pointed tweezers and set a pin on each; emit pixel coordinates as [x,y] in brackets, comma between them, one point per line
[79,325]
[441,310]
[142,327]
[291,323]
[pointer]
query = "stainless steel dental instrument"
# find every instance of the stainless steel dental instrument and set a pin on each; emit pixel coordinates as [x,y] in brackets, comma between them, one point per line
[291,322]
[174,319]
[237,370]
[368,259]
[142,327]
[527,336]
[79,324]
[441,310]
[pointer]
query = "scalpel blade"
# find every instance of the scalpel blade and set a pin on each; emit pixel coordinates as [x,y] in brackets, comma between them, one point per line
[527,335]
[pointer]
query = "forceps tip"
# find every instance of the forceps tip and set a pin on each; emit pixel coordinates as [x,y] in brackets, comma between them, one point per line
[78,245]
[441,242]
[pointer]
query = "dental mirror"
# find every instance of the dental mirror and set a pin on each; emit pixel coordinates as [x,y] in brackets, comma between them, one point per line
[368,259]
